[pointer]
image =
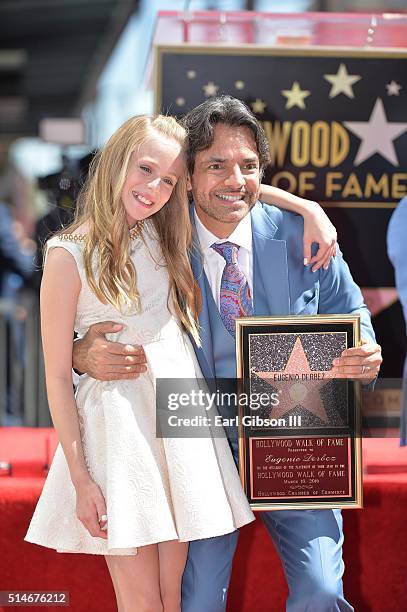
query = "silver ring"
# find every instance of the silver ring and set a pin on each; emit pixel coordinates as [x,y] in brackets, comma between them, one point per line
[103,518]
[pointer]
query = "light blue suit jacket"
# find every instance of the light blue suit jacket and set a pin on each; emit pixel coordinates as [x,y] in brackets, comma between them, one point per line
[289,287]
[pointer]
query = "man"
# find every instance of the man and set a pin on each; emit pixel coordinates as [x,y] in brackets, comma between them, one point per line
[227,152]
[397,251]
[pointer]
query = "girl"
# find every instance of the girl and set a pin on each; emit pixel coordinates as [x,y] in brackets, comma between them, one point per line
[126,259]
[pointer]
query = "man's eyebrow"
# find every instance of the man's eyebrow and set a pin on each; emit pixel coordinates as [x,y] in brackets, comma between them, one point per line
[213,159]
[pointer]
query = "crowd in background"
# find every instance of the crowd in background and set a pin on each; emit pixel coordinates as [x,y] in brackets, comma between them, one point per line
[21,249]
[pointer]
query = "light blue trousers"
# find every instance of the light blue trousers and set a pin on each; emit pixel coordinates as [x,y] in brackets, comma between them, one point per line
[309,543]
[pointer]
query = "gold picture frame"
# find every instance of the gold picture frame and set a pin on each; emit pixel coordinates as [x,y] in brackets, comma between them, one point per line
[289,461]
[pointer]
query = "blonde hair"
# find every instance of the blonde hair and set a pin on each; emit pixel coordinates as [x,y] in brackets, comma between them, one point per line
[100,204]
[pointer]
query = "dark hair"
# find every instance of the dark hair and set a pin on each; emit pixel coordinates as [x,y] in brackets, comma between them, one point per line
[201,121]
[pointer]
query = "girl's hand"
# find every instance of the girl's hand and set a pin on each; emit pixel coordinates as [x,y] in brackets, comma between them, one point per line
[318,228]
[91,507]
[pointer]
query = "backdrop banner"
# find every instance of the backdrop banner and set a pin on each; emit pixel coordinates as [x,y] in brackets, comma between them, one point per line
[336,121]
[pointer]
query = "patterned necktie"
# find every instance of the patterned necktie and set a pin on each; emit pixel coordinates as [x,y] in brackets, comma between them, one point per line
[235,297]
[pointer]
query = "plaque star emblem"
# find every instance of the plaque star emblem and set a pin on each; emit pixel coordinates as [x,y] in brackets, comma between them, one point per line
[258,106]
[295,96]
[342,82]
[239,84]
[393,88]
[210,89]
[377,135]
[297,392]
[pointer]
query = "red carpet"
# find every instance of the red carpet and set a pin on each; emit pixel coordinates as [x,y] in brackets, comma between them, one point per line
[375,540]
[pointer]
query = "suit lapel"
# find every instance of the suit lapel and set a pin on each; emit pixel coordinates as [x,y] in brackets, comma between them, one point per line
[204,353]
[270,269]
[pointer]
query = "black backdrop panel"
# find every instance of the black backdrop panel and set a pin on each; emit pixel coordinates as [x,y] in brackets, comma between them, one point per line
[362,241]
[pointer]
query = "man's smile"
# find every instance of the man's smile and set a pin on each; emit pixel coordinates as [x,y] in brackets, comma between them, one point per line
[231,197]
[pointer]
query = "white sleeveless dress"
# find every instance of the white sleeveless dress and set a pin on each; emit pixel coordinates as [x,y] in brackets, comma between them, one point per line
[155,489]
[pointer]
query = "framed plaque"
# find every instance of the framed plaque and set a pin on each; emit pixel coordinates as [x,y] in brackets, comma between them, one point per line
[299,425]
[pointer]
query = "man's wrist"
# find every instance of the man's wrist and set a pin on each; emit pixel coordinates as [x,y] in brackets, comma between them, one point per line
[75,351]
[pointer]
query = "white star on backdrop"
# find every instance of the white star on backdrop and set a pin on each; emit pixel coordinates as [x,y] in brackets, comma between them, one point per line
[180,101]
[191,74]
[377,135]
[258,106]
[210,89]
[342,82]
[239,84]
[393,88]
[295,96]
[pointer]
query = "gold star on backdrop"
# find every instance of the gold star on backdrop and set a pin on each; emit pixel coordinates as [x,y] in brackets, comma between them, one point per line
[239,84]
[295,96]
[210,89]
[258,106]
[342,82]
